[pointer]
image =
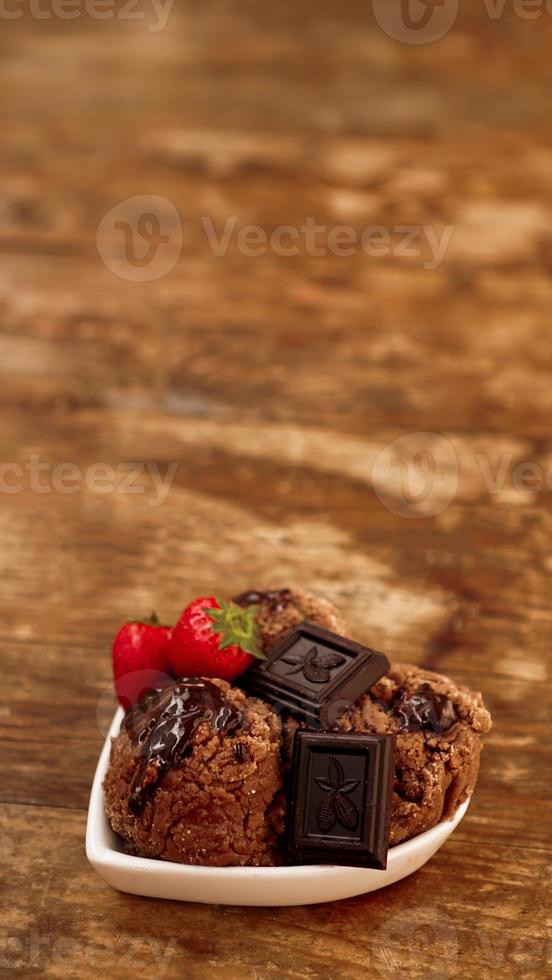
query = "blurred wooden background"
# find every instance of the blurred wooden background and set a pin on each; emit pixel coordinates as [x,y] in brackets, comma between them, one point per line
[271,384]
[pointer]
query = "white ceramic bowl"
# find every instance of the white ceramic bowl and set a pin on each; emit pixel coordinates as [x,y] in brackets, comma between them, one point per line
[298,885]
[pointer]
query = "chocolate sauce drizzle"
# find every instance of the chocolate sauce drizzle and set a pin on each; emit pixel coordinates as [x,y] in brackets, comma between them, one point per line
[276,600]
[163,724]
[425,710]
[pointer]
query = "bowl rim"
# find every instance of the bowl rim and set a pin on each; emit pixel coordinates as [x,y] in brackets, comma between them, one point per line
[100,854]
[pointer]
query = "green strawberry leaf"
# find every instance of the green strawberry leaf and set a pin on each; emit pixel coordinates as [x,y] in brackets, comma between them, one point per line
[237,627]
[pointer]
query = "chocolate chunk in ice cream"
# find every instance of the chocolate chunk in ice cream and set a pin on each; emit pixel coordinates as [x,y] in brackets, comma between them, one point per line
[316,674]
[425,709]
[340,797]
[275,600]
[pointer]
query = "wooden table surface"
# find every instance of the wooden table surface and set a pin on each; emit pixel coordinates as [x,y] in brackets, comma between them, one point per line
[267,392]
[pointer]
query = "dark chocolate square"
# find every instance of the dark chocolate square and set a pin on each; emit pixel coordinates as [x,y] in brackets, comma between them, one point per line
[316,674]
[340,799]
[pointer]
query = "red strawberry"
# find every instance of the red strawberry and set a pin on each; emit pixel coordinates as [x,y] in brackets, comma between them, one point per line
[140,659]
[214,638]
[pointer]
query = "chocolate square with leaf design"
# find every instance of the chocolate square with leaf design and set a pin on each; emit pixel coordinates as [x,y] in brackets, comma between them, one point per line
[316,674]
[340,799]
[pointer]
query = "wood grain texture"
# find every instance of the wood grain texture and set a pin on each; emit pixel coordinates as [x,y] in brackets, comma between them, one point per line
[270,385]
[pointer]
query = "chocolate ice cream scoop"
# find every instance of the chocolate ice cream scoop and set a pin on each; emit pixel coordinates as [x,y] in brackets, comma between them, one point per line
[163,723]
[279,610]
[437,724]
[205,760]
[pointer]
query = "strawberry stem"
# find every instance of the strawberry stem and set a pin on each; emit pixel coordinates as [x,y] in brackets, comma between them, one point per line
[152,620]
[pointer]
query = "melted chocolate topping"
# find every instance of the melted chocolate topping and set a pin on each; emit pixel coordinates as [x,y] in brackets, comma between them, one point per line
[276,600]
[425,710]
[163,724]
